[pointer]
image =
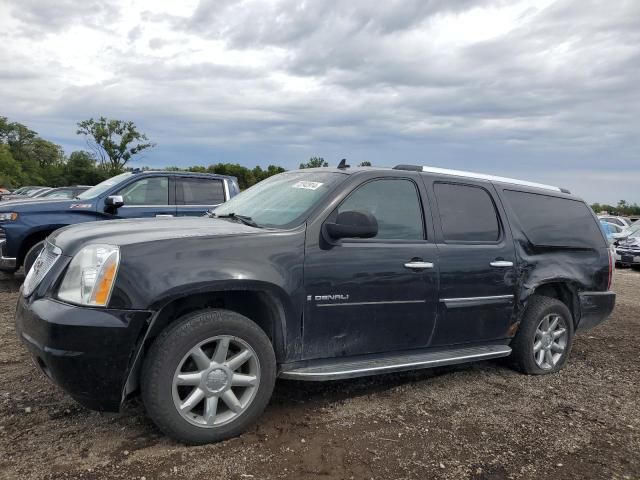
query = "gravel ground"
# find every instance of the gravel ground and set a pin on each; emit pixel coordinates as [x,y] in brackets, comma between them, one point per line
[479,421]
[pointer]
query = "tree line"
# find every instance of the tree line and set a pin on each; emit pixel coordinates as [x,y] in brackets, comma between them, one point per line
[28,159]
[623,208]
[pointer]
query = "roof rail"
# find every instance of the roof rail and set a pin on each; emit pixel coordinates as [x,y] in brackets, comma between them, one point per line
[481,176]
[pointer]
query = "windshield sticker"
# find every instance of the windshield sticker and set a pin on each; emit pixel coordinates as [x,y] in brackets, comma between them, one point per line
[307,185]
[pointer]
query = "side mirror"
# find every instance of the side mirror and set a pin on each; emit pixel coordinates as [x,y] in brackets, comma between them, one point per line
[115,201]
[353,224]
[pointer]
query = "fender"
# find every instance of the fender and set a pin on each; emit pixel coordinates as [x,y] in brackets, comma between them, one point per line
[281,304]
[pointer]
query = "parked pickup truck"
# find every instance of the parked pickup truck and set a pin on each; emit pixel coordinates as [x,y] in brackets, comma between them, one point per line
[25,225]
[315,274]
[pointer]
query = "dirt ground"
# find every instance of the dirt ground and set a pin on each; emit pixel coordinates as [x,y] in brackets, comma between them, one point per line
[479,421]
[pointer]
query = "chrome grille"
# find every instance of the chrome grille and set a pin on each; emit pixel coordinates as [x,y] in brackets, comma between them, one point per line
[47,258]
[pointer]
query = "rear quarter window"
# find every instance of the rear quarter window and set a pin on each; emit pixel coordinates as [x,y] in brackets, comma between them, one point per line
[550,221]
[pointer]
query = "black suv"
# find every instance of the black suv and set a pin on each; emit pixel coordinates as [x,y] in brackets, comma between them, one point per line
[316,274]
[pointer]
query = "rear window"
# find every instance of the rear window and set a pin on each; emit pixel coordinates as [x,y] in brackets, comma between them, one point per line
[199,191]
[554,221]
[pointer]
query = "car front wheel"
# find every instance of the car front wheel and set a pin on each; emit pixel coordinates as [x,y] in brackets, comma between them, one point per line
[208,377]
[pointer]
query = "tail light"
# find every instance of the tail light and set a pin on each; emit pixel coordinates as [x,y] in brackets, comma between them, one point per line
[612,264]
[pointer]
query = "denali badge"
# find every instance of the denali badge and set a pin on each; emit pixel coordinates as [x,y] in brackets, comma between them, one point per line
[319,298]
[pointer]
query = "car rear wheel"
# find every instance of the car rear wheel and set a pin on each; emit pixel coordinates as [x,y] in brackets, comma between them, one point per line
[32,254]
[543,342]
[208,377]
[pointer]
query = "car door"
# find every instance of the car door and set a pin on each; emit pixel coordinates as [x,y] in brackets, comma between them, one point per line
[476,260]
[372,295]
[196,195]
[146,197]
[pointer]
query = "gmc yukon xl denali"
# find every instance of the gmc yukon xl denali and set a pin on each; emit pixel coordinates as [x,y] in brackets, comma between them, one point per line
[317,274]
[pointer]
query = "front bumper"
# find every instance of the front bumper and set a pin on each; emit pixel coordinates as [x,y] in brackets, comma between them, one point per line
[86,351]
[6,263]
[595,307]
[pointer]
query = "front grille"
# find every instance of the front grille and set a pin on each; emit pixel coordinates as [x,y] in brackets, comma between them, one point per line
[2,234]
[47,258]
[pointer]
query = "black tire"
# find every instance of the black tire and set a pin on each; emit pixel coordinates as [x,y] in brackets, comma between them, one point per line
[32,254]
[170,348]
[522,345]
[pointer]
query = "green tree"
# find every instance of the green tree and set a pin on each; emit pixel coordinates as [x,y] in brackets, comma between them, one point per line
[243,174]
[82,169]
[114,142]
[10,170]
[314,162]
[366,163]
[46,153]
[260,174]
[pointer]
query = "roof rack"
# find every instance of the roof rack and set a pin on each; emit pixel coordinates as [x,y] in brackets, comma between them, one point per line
[482,176]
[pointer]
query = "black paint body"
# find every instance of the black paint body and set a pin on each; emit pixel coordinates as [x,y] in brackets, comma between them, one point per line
[95,353]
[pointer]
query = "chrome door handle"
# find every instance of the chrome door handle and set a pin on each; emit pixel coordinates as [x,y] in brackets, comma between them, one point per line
[418,265]
[501,263]
[164,215]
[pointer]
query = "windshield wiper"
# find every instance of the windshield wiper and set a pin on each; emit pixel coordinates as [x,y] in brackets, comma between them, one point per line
[241,218]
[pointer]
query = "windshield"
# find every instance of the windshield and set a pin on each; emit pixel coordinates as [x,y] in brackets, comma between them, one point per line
[58,194]
[103,186]
[633,229]
[34,192]
[282,199]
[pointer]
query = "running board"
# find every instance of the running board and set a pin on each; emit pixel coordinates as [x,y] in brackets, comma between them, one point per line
[333,369]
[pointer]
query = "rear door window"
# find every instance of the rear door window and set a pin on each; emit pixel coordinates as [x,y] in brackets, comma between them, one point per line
[554,221]
[467,213]
[199,191]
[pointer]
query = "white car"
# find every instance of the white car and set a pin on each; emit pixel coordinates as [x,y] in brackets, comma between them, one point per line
[623,222]
[628,245]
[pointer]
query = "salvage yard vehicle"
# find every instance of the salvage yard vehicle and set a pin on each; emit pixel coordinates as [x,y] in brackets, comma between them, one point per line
[137,194]
[316,274]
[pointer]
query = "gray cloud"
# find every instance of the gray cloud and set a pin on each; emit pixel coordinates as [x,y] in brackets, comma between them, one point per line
[40,18]
[554,93]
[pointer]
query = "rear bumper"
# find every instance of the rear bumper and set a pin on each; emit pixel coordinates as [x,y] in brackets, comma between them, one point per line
[6,263]
[595,307]
[85,351]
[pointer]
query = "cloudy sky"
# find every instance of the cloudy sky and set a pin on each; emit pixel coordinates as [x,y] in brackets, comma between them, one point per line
[543,90]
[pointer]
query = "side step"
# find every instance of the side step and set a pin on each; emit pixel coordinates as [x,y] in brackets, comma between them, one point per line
[363,366]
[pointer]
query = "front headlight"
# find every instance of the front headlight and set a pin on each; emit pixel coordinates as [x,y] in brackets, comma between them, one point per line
[8,216]
[90,277]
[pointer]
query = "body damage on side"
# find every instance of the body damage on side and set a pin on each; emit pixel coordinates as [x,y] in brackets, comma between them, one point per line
[578,273]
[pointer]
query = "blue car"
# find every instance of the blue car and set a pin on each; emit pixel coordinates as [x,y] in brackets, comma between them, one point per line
[138,194]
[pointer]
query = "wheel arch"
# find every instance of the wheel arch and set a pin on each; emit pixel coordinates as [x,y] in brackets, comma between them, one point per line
[563,290]
[31,239]
[263,306]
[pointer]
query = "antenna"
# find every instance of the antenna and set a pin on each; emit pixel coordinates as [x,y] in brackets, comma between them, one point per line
[343,164]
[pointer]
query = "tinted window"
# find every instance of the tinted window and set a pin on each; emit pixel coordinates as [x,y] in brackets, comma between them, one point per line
[147,191]
[554,221]
[394,203]
[199,191]
[467,213]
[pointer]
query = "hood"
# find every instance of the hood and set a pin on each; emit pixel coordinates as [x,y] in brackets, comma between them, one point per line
[42,205]
[140,230]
